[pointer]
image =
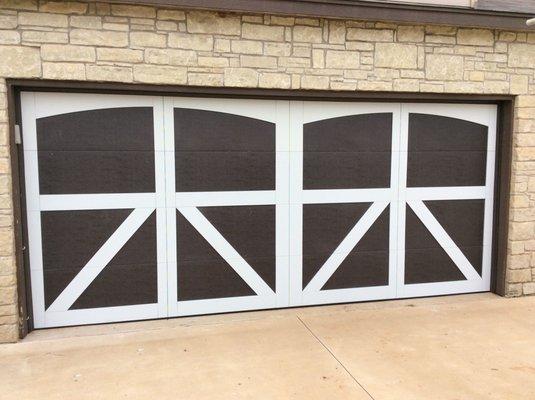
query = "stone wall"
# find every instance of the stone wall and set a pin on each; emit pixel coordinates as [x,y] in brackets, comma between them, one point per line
[121,43]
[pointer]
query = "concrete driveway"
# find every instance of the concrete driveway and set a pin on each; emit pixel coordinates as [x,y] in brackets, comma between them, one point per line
[458,347]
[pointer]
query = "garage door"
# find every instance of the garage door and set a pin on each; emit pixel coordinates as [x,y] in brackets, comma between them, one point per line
[148,207]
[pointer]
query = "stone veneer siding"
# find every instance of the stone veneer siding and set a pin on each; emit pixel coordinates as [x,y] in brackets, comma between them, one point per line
[91,41]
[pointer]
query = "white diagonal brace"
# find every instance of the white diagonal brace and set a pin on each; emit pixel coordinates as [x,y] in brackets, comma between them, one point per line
[101,258]
[445,241]
[346,245]
[225,250]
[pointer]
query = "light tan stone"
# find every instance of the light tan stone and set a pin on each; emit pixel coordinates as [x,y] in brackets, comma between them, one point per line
[45,37]
[241,77]
[301,51]
[142,21]
[519,201]
[521,231]
[507,36]
[19,4]
[43,19]
[133,11]
[285,21]
[525,101]
[108,73]
[307,21]
[444,67]
[525,154]
[277,49]
[7,295]
[525,141]
[521,55]
[478,76]
[314,82]
[64,7]
[519,261]
[115,27]
[406,85]
[160,74]
[275,80]
[222,45]
[258,61]
[374,85]
[191,41]
[342,59]
[263,32]
[370,35]
[318,58]
[337,32]
[218,62]
[291,62]
[475,37]
[147,39]
[440,30]
[166,26]
[526,126]
[174,15]
[256,19]
[410,33]
[9,309]
[439,39]
[6,241]
[200,79]
[394,55]
[208,22]
[20,62]
[307,34]
[247,47]
[99,38]
[85,21]
[57,52]
[171,56]
[9,37]
[8,21]
[519,275]
[120,55]
[68,71]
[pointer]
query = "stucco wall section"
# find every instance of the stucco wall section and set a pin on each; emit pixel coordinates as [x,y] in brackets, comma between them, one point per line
[124,43]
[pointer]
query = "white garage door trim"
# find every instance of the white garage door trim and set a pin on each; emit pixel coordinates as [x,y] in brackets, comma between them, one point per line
[288,197]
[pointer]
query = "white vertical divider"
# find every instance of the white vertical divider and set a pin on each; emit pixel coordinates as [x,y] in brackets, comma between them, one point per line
[401,204]
[296,206]
[282,207]
[394,202]
[170,203]
[160,185]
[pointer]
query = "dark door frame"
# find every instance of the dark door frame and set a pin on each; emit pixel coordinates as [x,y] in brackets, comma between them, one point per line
[504,135]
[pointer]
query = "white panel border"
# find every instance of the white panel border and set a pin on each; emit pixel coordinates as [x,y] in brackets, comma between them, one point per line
[273,111]
[36,105]
[484,114]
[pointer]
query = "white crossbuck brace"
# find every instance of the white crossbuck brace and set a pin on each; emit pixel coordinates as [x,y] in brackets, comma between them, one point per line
[366,222]
[225,250]
[128,228]
[100,259]
[345,246]
[444,239]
